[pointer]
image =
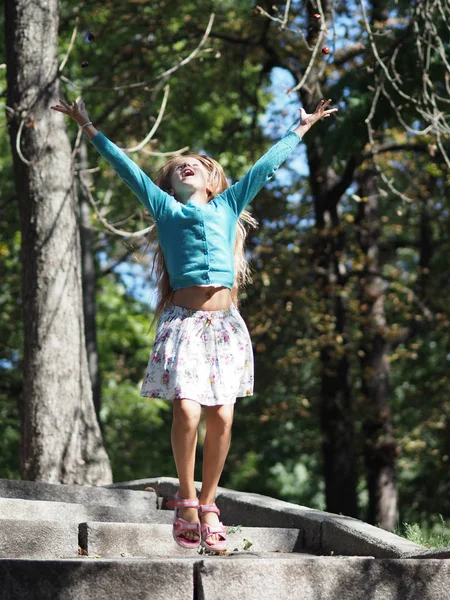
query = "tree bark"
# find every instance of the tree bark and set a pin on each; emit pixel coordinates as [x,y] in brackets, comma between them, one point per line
[336,410]
[61,440]
[89,277]
[380,448]
[337,433]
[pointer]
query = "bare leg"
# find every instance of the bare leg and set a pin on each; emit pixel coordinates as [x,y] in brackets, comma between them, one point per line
[219,420]
[186,418]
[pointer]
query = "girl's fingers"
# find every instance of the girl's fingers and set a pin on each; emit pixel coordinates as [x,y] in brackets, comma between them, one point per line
[322,105]
[59,109]
[320,112]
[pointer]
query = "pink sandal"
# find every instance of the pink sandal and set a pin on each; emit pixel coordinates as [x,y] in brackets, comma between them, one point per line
[180,526]
[208,530]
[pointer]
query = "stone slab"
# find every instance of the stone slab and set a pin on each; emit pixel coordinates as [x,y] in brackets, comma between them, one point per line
[96,580]
[141,540]
[137,484]
[323,578]
[323,532]
[431,553]
[347,536]
[41,510]
[246,509]
[43,539]
[79,494]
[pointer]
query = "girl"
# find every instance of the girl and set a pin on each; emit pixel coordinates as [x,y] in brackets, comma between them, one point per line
[202,354]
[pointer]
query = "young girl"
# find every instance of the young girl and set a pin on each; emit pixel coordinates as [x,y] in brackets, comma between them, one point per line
[202,354]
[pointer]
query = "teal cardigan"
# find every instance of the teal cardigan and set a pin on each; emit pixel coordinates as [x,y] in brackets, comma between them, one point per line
[197,240]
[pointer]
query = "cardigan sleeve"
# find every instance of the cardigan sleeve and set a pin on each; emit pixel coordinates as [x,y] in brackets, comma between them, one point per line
[239,195]
[152,197]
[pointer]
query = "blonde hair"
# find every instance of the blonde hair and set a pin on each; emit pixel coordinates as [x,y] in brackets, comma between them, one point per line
[217,183]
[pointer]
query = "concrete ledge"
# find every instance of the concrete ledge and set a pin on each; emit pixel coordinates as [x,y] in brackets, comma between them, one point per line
[230,578]
[323,532]
[43,539]
[323,578]
[139,540]
[78,494]
[347,536]
[40,510]
[96,580]
[431,553]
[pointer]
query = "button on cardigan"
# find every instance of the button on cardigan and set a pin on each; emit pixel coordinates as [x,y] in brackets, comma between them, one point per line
[197,240]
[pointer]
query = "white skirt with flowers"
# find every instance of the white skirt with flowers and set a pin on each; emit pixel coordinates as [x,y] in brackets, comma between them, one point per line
[200,355]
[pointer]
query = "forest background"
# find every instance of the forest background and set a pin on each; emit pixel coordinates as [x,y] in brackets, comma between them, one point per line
[349,310]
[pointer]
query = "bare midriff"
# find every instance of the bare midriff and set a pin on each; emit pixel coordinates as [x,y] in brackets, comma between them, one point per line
[203,298]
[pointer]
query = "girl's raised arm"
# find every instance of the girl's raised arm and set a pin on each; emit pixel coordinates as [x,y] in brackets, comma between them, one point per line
[239,195]
[151,196]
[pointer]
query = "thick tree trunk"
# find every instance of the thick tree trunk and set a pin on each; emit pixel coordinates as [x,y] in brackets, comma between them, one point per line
[61,440]
[336,411]
[337,432]
[380,448]
[336,414]
[89,277]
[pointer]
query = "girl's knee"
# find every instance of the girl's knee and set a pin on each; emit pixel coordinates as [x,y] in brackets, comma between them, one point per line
[186,413]
[220,417]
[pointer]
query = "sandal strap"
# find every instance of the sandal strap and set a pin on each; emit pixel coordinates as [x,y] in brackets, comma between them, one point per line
[180,525]
[208,508]
[208,530]
[179,502]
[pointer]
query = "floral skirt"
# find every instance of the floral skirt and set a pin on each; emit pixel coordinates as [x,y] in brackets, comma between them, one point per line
[200,355]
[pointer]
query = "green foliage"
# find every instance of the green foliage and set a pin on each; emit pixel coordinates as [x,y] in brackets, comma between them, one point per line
[11,335]
[135,429]
[434,536]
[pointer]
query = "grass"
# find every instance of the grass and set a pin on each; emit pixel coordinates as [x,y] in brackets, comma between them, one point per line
[438,536]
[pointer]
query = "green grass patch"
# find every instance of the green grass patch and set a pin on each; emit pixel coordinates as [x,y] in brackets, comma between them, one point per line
[436,536]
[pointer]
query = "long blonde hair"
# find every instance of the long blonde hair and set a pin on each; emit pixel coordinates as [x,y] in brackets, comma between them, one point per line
[217,183]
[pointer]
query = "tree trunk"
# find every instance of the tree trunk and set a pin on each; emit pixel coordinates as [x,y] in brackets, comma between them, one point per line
[337,433]
[89,277]
[61,440]
[336,410]
[336,415]
[380,448]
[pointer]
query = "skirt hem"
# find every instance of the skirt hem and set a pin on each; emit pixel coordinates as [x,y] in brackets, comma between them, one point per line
[189,397]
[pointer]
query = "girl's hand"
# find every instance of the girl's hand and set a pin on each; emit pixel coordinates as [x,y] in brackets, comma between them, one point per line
[308,120]
[317,115]
[77,112]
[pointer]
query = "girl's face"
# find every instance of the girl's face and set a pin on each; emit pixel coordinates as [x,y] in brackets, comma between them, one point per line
[188,175]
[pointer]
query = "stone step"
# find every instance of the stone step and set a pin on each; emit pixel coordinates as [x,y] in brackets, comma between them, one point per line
[324,533]
[38,539]
[77,494]
[96,580]
[55,539]
[111,540]
[41,510]
[323,578]
[294,577]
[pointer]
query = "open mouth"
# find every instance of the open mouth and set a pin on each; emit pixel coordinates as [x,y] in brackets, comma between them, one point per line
[188,173]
